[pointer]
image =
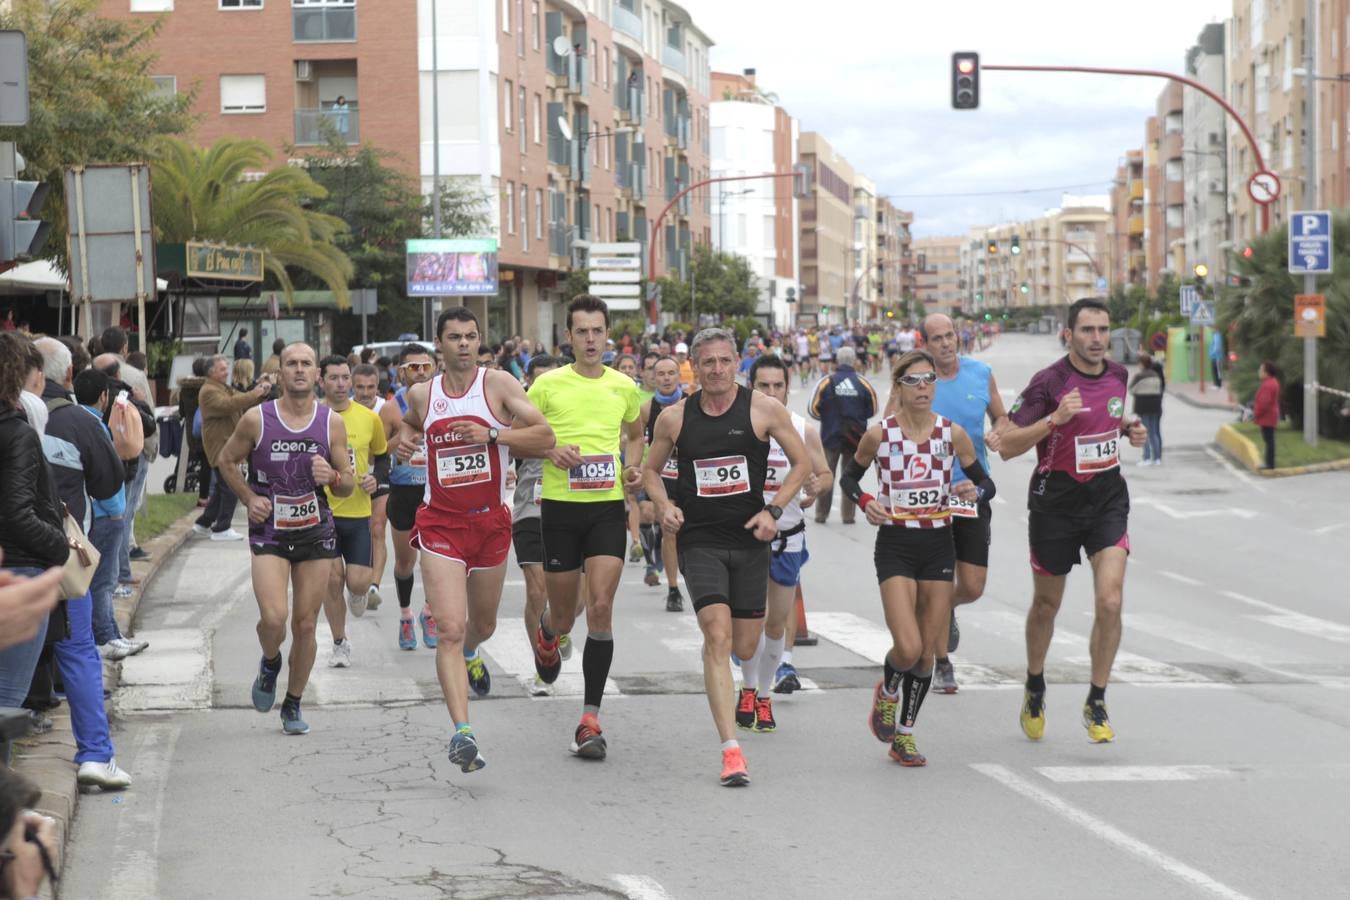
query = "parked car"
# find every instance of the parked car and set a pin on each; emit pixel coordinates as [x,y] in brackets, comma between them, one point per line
[391,348]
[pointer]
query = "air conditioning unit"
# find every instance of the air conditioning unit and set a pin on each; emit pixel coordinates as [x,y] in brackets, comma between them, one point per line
[304,70]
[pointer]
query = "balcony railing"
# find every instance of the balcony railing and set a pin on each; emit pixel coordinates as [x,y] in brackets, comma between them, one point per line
[629,23]
[557,239]
[313,125]
[629,102]
[673,58]
[576,75]
[323,23]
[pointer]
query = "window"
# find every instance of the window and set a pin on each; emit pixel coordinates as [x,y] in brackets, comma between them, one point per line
[520,111]
[595,55]
[539,213]
[508,97]
[510,207]
[243,94]
[241,4]
[605,70]
[323,20]
[152,5]
[538,118]
[506,16]
[165,85]
[520,28]
[524,218]
[534,23]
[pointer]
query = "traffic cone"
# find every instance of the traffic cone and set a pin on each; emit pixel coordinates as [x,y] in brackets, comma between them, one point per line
[803,637]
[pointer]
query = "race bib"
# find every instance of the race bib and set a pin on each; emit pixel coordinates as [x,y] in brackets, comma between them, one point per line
[419,456]
[294,513]
[596,473]
[721,477]
[774,474]
[917,499]
[1096,452]
[963,509]
[538,492]
[462,465]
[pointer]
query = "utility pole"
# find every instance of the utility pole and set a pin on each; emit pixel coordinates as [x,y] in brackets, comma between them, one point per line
[432,307]
[1310,202]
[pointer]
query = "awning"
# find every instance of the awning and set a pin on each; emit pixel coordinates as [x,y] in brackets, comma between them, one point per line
[42,275]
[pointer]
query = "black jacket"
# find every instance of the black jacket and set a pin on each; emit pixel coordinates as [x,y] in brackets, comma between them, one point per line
[80,453]
[32,532]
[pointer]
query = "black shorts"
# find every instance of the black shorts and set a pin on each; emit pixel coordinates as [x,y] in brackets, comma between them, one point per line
[738,577]
[919,554]
[353,539]
[381,490]
[972,537]
[402,506]
[528,540]
[300,551]
[574,532]
[1056,538]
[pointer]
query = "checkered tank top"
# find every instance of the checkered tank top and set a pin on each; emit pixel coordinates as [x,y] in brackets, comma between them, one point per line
[915,478]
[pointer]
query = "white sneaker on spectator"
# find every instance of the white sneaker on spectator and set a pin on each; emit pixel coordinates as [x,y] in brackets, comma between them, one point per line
[341,657]
[114,650]
[200,530]
[105,775]
[123,590]
[132,645]
[229,534]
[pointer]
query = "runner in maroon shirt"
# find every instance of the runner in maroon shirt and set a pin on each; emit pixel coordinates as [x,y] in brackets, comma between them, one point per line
[1072,411]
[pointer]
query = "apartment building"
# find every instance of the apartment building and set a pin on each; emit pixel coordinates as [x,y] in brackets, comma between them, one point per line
[937,276]
[1164,187]
[627,79]
[1333,106]
[1205,156]
[864,294]
[895,256]
[752,135]
[827,245]
[1064,255]
[1129,258]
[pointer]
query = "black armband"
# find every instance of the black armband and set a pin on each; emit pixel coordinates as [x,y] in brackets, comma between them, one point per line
[981,480]
[849,480]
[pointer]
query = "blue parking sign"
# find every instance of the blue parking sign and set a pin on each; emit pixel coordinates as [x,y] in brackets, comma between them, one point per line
[1310,242]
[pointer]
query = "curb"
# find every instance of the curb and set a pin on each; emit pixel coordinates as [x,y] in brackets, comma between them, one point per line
[1244,451]
[1228,405]
[47,759]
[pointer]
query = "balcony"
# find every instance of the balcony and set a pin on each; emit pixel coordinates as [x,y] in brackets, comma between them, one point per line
[329,20]
[1134,225]
[557,239]
[677,131]
[312,126]
[627,21]
[1136,189]
[629,101]
[577,72]
[673,58]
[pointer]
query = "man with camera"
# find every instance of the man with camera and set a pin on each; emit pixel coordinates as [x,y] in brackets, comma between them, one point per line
[221,408]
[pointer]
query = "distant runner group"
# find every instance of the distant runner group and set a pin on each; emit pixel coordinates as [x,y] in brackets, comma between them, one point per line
[465,462]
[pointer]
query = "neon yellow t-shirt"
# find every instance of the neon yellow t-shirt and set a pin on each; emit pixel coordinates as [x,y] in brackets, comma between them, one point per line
[587,412]
[365,439]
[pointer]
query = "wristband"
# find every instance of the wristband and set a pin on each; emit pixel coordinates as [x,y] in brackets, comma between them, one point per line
[863,500]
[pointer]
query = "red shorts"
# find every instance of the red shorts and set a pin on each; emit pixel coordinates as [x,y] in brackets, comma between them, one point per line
[478,541]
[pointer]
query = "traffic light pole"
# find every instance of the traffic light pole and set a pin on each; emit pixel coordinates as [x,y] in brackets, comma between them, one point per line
[1170,76]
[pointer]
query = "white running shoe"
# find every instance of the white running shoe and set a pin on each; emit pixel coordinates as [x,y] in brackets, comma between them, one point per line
[357,603]
[229,534]
[539,687]
[114,651]
[104,775]
[341,657]
[373,598]
[200,530]
[131,645]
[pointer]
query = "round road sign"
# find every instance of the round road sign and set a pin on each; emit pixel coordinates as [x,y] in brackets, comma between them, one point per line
[1264,187]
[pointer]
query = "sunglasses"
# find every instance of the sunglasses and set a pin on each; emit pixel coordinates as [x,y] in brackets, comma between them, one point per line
[418,367]
[916,380]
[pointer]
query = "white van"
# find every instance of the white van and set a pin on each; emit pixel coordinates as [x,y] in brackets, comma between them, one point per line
[392,349]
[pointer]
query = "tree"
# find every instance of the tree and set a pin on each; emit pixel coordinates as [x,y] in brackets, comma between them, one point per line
[204,194]
[91,99]
[725,284]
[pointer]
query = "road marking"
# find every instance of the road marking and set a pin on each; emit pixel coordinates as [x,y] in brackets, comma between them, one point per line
[1325,529]
[138,827]
[1244,652]
[872,641]
[1183,515]
[1081,774]
[641,887]
[1294,620]
[1184,579]
[1107,832]
[1235,471]
[514,655]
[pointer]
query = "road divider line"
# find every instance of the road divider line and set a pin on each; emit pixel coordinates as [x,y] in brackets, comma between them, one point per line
[1184,579]
[1108,832]
[641,887]
[1293,620]
[1082,774]
[1235,471]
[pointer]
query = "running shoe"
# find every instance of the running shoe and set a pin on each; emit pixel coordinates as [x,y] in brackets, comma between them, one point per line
[547,659]
[589,742]
[479,679]
[764,715]
[538,687]
[745,709]
[1033,714]
[407,637]
[635,553]
[905,753]
[734,772]
[132,645]
[105,775]
[341,657]
[674,600]
[291,723]
[265,687]
[953,634]
[123,590]
[652,578]
[944,677]
[882,718]
[356,604]
[430,636]
[785,680]
[565,646]
[1097,724]
[373,598]
[464,752]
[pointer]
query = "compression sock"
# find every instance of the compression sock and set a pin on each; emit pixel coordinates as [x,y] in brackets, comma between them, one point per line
[750,667]
[1036,683]
[890,683]
[769,655]
[291,700]
[914,687]
[404,587]
[1096,694]
[470,654]
[787,651]
[548,635]
[595,662]
[648,541]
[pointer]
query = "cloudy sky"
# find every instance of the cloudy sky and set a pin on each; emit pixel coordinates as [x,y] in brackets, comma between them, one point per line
[872,76]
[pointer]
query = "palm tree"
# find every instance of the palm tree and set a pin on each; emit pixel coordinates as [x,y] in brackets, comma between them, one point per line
[217,194]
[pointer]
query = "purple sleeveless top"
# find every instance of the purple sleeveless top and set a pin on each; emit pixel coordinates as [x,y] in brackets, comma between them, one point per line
[280,469]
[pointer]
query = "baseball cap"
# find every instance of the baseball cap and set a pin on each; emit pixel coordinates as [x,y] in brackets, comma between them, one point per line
[608,357]
[681,347]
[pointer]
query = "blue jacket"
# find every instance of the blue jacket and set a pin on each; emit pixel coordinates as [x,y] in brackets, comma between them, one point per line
[80,452]
[843,403]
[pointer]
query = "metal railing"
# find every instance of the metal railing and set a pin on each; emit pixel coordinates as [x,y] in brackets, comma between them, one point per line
[630,23]
[673,58]
[313,125]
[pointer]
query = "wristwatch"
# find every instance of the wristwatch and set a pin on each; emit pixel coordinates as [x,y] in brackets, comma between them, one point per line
[775,511]
[492,435]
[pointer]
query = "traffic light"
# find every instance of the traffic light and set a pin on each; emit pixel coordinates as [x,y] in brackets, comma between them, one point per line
[1239,281]
[965,80]
[22,233]
[1201,273]
[988,316]
[979,296]
[1016,247]
[993,247]
[801,180]
[1024,288]
[1247,252]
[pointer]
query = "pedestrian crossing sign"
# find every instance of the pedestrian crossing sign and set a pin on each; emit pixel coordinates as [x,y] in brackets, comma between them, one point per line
[1202,313]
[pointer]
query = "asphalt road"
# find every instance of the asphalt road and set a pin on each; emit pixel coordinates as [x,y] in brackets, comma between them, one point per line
[1229,776]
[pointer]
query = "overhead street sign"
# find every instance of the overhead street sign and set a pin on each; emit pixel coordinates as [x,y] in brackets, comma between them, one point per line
[1202,313]
[1310,242]
[1264,187]
[614,272]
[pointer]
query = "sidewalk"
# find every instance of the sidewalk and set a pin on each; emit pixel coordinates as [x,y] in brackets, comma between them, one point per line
[47,759]
[1188,392]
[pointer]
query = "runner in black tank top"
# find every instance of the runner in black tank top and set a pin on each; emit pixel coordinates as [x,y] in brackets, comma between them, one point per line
[721,484]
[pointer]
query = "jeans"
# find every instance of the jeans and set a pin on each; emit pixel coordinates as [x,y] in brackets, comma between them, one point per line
[82,674]
[106,534]
[1268,435]
[18,662]
[1153,446]
[134,491]
[1216,367]
[219,510]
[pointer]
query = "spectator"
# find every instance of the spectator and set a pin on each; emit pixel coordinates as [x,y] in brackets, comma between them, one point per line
[1147,386]
[189,412]
[27,859]
[143,397]
[1267,408]
[30,398]
[242,348]
[25,603]
[1216,356]
[32,531]
[340,113]
[272,366]
[843,403]
[241,375]
[508,362]
[221,407]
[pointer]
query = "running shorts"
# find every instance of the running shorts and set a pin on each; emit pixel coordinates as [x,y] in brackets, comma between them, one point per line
[919,554]
[323,547]
[972,536]
[353,539]
[1056,538]
[736,577]
[477,540]
[574,532]
[528,540]
[402,507]
[786,568]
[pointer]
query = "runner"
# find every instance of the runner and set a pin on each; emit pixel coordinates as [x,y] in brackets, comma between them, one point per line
[366,391]
[468,419]
[771,666]
[1071,412]
[407,484]
[293,446]
[592,409]
[966,394]
[664,552]
[722,436]
[351,514]
[914,450]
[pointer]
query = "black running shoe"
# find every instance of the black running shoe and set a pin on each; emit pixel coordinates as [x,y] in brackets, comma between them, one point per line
[674,600]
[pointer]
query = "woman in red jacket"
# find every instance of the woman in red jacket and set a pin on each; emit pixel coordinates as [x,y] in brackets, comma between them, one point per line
[1268,408]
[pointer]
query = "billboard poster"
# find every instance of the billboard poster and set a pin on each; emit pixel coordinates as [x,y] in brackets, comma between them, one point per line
[452,267]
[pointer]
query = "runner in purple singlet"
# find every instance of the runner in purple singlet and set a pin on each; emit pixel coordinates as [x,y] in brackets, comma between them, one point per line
[294,447]
[1071,412]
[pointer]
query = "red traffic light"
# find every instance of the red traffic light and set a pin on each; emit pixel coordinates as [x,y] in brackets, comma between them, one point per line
[965,65]
[1247,252]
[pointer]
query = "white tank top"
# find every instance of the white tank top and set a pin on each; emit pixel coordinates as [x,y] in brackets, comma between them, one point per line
[379,404]
[774,473]
[462,478]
